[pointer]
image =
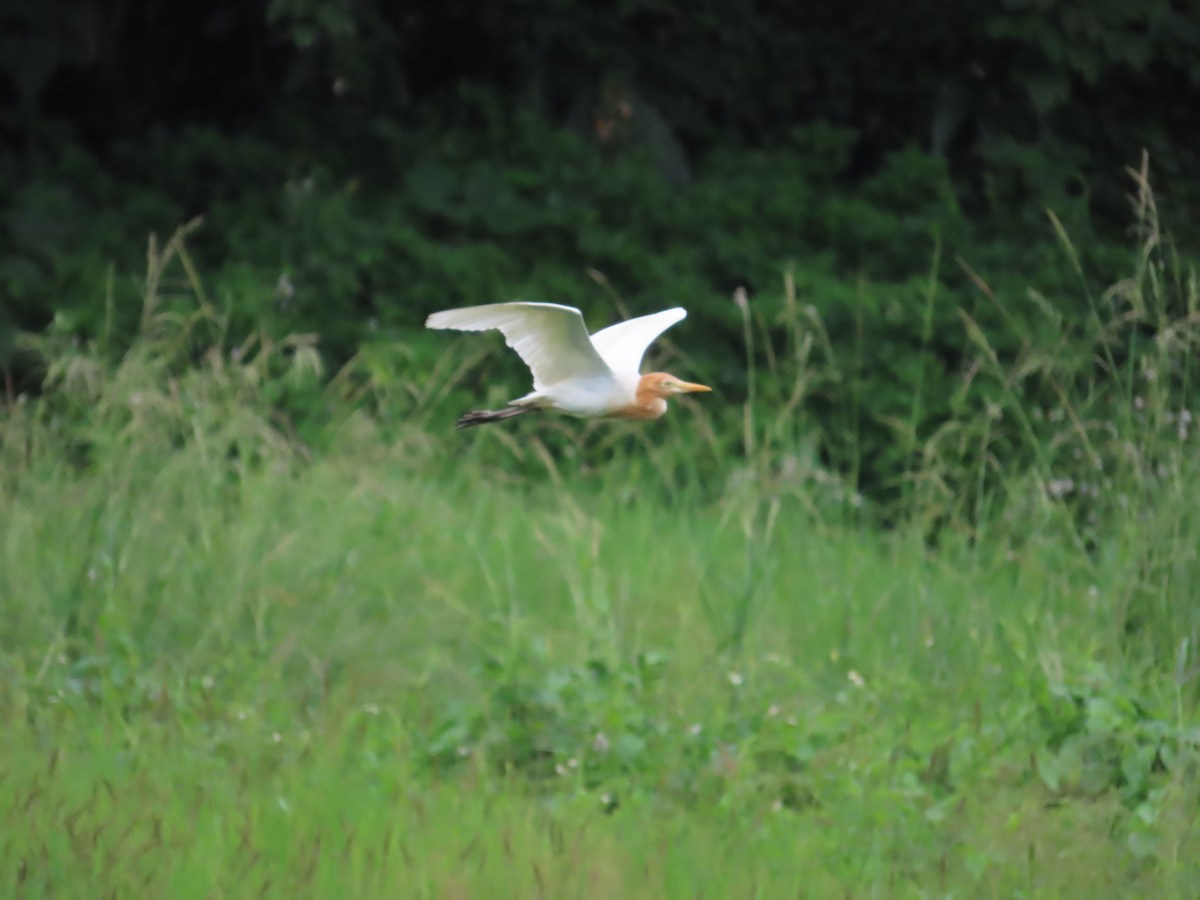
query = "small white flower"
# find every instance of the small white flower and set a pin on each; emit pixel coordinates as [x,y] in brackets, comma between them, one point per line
[773,710]
[1058,488]
[277,737]
[284,289]
[855,678]
[600,742]
[736,679]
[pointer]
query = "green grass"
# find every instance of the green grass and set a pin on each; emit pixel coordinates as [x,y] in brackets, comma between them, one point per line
[341,678]
[389,659]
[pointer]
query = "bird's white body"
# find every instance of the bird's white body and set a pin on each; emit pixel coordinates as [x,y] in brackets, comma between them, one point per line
[588,397]
[573,372]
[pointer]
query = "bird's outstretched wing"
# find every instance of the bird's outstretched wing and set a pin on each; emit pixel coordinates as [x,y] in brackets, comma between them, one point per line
[623,345]
[551,339]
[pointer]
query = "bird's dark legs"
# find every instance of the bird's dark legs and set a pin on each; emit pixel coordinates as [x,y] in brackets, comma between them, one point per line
[484,416]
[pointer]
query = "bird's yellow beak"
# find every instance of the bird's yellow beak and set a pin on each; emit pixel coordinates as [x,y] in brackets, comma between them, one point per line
[688,388]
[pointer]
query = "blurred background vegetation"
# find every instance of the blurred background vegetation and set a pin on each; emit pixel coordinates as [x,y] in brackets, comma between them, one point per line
[909,606]
[904,173]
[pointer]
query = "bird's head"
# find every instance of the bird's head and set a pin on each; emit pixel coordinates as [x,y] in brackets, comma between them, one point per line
[662,385]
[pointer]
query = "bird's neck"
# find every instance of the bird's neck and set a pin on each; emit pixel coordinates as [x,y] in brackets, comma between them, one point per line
[648,403]
[649,398]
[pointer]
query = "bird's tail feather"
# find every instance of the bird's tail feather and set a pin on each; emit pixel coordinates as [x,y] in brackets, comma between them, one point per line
[484,416]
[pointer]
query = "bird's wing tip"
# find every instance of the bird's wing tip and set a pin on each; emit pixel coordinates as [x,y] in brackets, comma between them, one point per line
[479,318]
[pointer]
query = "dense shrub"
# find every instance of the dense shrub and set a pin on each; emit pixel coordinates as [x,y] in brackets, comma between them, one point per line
[891,266]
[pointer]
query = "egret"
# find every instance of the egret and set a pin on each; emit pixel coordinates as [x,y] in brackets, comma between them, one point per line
[591,376]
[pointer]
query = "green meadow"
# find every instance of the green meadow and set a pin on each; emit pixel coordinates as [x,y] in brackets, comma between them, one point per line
[249,652]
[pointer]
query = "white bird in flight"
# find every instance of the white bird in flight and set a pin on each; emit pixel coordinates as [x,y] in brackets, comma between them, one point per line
[591,376]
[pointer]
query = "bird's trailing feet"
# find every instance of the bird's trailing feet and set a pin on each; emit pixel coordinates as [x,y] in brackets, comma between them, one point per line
[485,416]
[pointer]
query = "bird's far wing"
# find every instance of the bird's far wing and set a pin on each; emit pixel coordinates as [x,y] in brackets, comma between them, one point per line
[551,339]
[623,345]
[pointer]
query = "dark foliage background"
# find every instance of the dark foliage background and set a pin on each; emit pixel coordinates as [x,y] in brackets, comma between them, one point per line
[359,164]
